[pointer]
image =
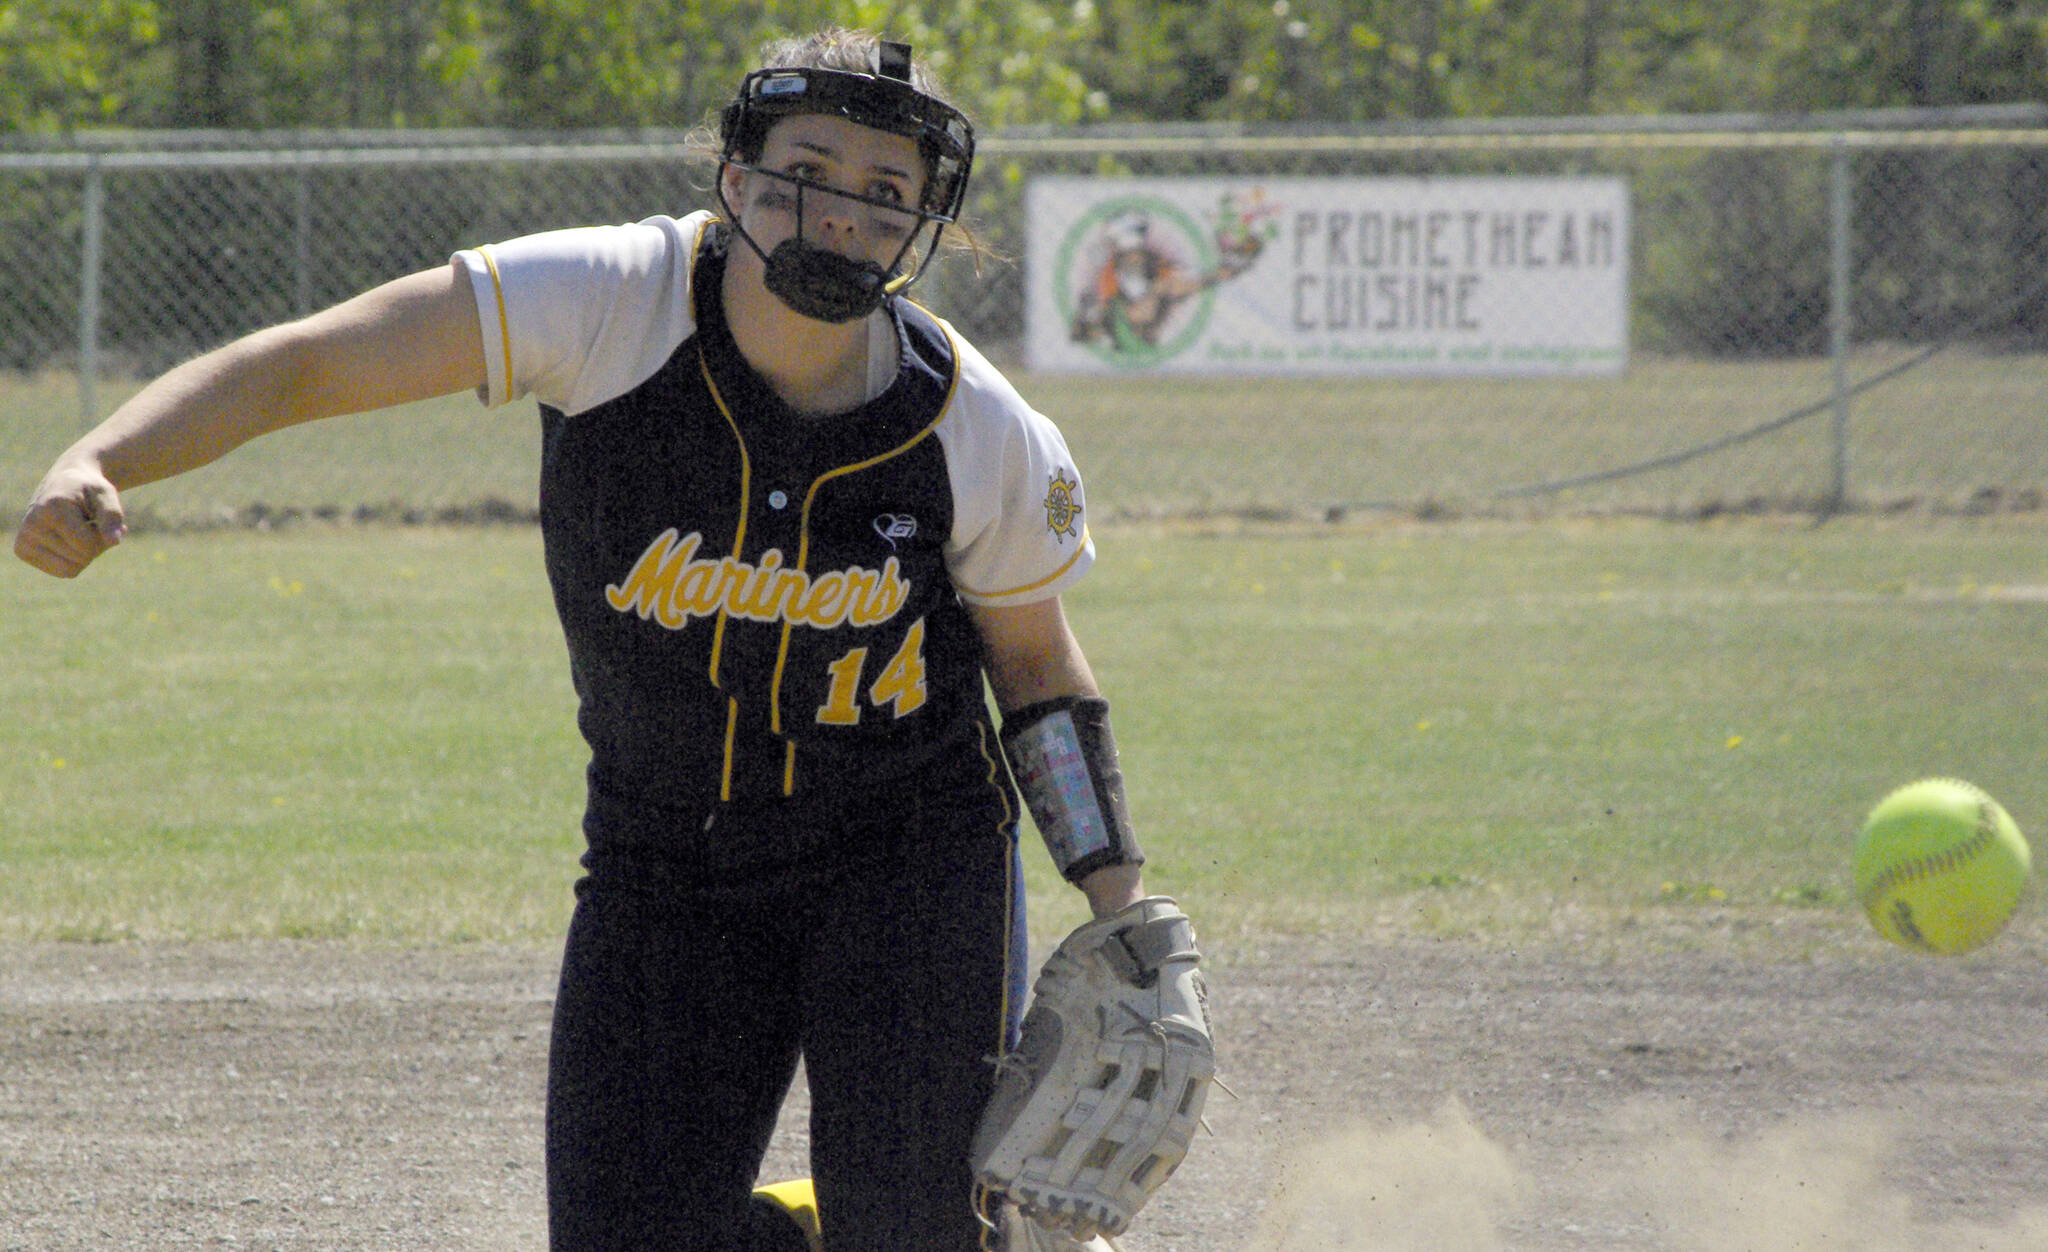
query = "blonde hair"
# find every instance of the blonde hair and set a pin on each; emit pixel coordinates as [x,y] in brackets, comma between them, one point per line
[847,49]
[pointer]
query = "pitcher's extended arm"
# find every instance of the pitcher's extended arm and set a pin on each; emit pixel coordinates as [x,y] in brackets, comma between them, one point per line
[410,339]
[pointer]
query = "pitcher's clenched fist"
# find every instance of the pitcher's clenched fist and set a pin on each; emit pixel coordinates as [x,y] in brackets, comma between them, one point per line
[74,516]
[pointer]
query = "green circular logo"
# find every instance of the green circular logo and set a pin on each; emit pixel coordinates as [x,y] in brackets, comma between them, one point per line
[1128,279]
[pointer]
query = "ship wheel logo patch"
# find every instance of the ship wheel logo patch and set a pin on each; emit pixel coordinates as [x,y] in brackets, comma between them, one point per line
[1062,511]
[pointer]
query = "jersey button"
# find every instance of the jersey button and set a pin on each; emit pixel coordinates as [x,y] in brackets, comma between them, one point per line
[778,499]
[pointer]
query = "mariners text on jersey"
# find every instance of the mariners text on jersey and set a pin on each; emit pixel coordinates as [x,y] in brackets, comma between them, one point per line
[756,602]
[671,584]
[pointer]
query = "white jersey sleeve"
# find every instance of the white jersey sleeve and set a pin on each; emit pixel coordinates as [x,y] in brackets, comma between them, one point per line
[1020,524]
[576,317]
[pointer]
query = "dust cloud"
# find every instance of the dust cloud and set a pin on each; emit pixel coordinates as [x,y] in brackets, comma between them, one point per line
[1439,1185]
[1656,1185]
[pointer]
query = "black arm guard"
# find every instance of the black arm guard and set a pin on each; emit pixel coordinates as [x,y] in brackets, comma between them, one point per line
[1064,759]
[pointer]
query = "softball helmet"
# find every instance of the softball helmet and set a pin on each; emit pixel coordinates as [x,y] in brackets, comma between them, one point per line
[819,282]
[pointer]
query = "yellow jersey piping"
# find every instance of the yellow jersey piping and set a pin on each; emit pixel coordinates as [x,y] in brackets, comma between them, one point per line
[1053,577]
[739,539]
[738,545]
[1009,881]
[732,721]
[504,324]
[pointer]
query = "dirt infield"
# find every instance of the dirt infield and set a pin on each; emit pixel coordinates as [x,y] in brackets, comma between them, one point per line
[1392,1094]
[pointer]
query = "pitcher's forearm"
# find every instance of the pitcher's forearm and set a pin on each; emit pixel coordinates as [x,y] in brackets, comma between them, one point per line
[197,412]
[408,340]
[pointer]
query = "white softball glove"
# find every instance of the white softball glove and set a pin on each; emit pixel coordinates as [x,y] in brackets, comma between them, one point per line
[1099,1101]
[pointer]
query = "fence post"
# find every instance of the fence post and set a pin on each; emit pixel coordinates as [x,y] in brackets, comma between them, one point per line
[1838,315]
[90,254]
[302,241]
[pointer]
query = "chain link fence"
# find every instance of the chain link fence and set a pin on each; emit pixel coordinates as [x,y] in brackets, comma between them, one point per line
[1847,312]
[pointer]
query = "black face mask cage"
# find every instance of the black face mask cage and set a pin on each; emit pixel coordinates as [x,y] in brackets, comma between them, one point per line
[804,191]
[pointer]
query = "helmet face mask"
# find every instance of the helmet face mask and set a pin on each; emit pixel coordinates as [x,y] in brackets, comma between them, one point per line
[815,281]
[823,284]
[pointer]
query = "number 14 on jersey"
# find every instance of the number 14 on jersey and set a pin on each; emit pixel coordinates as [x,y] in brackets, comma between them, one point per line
[900,685]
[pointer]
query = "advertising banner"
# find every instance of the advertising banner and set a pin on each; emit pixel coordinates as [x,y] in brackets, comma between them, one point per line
[1395,276]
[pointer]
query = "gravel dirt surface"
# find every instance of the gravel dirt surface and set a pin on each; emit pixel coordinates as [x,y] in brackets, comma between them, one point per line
[1390,1093]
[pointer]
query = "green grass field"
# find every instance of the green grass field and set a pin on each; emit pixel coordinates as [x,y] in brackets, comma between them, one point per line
[1939,437]
[364,732]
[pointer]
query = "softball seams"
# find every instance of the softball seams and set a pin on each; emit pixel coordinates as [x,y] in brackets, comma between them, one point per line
[1934,864]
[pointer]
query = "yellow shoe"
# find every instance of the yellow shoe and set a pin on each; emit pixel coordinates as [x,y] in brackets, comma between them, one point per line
[796,1203]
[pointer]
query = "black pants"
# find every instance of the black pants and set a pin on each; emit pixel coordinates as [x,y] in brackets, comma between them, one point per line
[883,946]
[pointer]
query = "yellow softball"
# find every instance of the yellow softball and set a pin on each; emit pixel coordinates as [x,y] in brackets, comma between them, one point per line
[1940,866]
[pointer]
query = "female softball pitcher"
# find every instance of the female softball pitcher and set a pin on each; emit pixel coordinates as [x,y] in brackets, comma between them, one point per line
[791,520]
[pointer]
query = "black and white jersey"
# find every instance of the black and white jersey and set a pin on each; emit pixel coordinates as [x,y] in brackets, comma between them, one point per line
[760,604]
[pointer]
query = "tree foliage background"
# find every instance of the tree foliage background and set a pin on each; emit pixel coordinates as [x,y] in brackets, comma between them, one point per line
[67,65]
[1738,266]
